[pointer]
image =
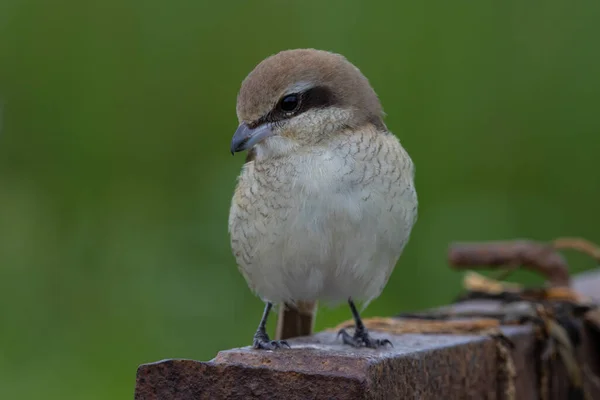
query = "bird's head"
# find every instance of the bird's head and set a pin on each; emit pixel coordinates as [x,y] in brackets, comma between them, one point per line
[301,98]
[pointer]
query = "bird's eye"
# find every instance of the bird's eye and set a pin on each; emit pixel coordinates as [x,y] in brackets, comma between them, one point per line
[289,103]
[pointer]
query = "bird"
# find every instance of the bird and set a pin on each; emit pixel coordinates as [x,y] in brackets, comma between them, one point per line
[325,202]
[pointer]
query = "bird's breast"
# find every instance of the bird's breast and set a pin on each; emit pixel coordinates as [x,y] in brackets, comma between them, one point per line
[353,183]
[305,217]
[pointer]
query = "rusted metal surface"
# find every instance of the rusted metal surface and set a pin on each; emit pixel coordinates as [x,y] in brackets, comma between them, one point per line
[419,366]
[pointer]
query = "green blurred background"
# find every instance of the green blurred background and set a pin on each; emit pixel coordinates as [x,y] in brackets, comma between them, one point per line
[116,177]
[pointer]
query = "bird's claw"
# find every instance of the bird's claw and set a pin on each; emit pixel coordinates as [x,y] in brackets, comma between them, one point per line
[269,344]
[362,339]
[262,342]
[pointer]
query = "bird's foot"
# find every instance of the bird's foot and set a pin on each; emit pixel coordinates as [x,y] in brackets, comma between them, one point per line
[362,338]
[262,342]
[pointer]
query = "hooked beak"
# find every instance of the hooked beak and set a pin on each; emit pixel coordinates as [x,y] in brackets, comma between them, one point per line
[245,137]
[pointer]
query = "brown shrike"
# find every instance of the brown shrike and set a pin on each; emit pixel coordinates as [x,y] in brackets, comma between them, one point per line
[326,201]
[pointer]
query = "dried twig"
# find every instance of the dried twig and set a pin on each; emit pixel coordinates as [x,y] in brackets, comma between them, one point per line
[579,244]
[403,326]
[536,256]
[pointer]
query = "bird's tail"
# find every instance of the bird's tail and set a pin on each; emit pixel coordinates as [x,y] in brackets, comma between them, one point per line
[296,319]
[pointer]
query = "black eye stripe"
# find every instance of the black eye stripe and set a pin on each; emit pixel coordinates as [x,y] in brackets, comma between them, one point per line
[316,97]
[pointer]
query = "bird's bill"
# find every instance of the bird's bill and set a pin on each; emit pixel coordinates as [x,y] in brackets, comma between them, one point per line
[246,137]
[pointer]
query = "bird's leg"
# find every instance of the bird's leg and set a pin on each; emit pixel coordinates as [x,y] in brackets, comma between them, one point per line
[261,339]
[361,335]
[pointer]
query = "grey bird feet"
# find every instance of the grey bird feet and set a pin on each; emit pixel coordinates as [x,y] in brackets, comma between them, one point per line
[362,338]
[262,342]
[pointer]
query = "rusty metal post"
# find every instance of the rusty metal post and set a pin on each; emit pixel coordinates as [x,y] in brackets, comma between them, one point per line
[419,366]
